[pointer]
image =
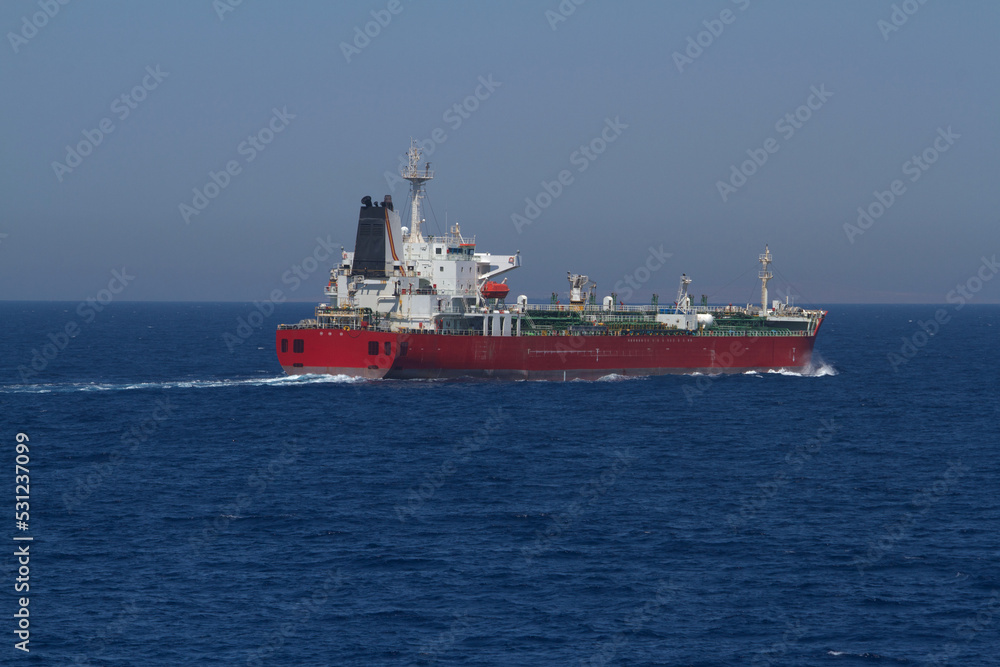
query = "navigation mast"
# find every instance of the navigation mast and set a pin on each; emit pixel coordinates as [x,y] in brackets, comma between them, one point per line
[764,276]
[682,293]
[417,178]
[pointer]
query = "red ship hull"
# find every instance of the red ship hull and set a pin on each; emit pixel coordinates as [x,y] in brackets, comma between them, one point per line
[373,354]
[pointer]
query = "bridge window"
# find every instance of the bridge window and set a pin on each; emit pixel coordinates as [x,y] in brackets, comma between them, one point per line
[298,345]
[388,349]
[403,348]
[284,345]
[373,347]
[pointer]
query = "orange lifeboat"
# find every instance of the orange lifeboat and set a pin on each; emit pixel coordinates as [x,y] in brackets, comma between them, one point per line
[492,290]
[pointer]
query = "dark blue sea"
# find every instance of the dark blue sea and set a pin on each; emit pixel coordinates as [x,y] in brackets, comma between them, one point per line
[190,505]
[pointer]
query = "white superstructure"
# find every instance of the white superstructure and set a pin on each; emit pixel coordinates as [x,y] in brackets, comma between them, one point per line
[427,282]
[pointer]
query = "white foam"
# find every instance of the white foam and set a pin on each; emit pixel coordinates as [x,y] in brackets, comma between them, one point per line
[276,381]
[817,368]
[610,377]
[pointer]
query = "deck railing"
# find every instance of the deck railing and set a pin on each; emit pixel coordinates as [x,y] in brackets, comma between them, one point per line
[607,332]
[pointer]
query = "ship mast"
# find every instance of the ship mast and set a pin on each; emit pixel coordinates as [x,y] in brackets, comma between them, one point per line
[764,276]
[417,178]
[682,292]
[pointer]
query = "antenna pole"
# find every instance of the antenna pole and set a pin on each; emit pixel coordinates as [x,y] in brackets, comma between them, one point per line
[764,276]
[682,293]
[417,178]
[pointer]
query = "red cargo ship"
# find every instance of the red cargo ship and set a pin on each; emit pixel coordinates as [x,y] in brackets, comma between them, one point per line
[403,305]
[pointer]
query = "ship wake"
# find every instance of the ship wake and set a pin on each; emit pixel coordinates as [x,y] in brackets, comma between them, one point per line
[274,381]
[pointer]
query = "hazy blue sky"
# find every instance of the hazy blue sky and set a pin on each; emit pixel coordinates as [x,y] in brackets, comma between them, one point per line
[893,78]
